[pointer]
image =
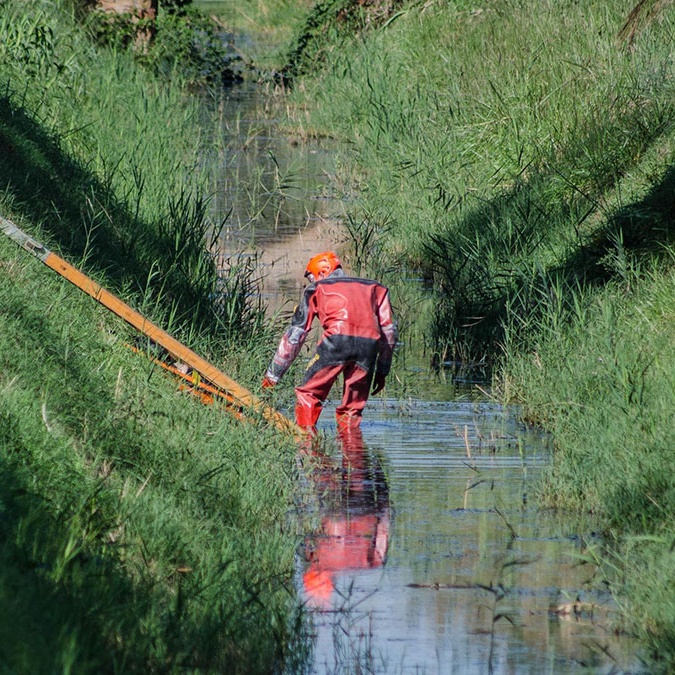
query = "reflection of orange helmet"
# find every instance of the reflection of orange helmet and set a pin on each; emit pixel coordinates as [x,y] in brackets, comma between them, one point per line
[323,263]
[318,586]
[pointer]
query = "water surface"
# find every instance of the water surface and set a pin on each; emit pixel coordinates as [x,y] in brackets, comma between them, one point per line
[476,578]
[273,200]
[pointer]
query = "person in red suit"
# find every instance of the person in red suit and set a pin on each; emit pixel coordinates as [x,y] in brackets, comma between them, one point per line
[358,341]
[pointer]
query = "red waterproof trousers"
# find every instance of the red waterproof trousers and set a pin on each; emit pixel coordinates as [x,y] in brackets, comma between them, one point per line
[311,395]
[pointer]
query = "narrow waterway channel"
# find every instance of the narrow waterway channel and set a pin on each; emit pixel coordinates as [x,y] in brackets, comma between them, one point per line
[476,578]
[273,196]
[430,553]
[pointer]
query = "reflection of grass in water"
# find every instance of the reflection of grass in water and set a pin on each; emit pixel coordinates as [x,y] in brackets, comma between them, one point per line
[267,26]
[500,590]
[500,584]
[268,192]
[352,639]
[271,185]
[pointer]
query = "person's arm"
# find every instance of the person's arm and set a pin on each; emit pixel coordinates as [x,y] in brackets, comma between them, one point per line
[291,341]
[388,339]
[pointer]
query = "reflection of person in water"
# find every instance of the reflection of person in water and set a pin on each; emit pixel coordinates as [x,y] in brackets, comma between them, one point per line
[354,531]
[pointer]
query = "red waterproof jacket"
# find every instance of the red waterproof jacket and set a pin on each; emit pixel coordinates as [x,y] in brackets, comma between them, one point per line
[357,321]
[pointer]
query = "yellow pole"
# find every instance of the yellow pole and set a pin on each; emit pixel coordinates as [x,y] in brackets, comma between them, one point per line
[178,350]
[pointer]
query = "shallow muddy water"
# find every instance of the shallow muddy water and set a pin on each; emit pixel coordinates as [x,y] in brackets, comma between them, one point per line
[432,556]
[273,196]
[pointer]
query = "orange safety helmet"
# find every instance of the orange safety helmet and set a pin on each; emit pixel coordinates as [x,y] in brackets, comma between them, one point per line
[318,585]
[323,263]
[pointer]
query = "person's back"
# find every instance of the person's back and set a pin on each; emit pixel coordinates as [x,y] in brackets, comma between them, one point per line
[349,306]
[358,340]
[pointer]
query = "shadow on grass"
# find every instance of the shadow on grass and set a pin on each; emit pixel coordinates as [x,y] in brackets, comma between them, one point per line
[50,188]
[328,23]
[510,253]
[643,228]
[62,584]
[54,623]
[81,587]
[165,259]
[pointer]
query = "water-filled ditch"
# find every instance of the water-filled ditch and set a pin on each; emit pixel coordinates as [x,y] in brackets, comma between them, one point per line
[438,558]
[273,197]
[430,553]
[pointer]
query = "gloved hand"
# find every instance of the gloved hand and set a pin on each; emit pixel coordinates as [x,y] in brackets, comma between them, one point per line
[378,383]
[267,383]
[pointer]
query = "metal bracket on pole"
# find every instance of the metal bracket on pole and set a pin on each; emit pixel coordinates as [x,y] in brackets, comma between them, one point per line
[23,240]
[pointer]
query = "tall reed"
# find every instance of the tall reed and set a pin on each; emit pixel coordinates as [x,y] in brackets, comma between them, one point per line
[498,157]
[107,160]
[598,373]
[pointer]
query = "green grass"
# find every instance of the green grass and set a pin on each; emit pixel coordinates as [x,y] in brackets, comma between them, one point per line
[107,161]
[600,376]
[141,530]
[498,158]
[515,157]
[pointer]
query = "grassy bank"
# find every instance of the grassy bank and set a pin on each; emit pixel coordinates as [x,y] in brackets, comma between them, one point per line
[519,158]
[141,531]
[492,158]
[136,537]
[600,376]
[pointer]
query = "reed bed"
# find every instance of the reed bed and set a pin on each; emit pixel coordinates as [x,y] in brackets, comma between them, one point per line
[497,157]
[106,159]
